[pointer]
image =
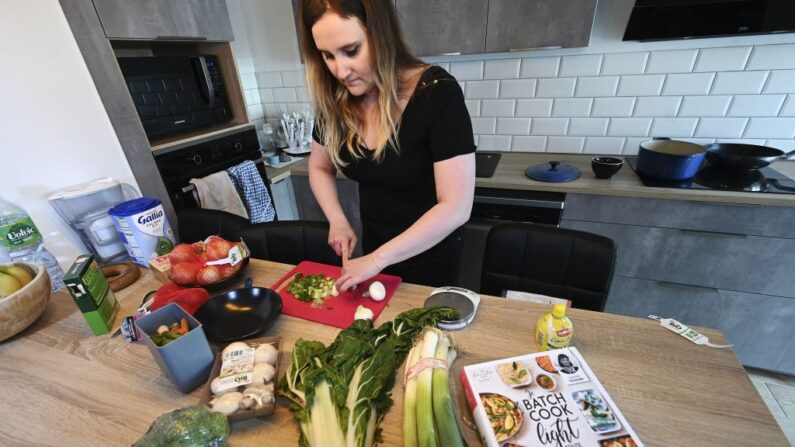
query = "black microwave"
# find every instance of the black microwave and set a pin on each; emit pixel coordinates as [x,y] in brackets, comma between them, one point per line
[176,94]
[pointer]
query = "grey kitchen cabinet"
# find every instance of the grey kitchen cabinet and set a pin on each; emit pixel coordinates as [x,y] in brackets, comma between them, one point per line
[284,199]
[435,27]
[165,19]
[530,24]
[758,326]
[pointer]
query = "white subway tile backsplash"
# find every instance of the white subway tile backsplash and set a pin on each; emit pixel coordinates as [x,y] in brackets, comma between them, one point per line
[624,63]
[540,67]
[640,85]
[781,81]
[293,78]
[738,82]
[555,88]
[585,65]
[297,107]
[549,126]
[631,146]
[463,86]
[789,106]
[255,112]
[772,57]
[482,89]
[274,110]
[784,145]
[248,81]
[770,128]
[619,106]
[302,94]
[721,127]
[657,106]
[565,144]
[444,65]
[629,127]
[756,105]
[518,88]
[482,126]
[269,79]
[286,94]
[473,106]
[533,107]
[596,86]
[249,99]
[502,69]
[722,59]
[497,107]
[704,105]
[588,126]
[266,95]
[572,107]
[467,70]
[677,61]
[604,145]
[756,141]
[699,141]
[528,144]
[513,126]
[688,84]
[494,142]
[673,127]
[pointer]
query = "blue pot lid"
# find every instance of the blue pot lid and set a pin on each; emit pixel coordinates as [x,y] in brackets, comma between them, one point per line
[553,171]
[134,206]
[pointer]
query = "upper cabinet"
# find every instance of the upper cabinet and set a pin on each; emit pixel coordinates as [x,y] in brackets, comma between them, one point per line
[532,24]
[165,19]
[435,27]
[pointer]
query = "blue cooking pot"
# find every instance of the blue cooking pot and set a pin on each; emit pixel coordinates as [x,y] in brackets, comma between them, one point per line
[668,159]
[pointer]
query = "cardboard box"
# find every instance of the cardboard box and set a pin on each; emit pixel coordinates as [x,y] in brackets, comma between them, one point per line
[92,294]
[161,267]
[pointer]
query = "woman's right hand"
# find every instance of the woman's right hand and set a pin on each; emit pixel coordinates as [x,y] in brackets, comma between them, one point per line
[342,239]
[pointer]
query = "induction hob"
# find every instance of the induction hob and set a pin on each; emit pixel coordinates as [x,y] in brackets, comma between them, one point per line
[766,180]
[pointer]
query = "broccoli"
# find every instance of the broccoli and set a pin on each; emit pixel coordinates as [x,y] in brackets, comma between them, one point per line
[194,426]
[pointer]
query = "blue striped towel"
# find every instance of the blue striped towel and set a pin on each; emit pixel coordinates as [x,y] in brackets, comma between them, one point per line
[253,192]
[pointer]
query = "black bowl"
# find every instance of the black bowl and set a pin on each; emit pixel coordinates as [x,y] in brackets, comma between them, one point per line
[239,314]
[606,167]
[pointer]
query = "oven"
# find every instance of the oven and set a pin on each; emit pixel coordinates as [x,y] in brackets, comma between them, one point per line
[178,164]
[492,206]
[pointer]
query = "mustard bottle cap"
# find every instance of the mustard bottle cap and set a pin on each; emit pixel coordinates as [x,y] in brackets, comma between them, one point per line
[559,311]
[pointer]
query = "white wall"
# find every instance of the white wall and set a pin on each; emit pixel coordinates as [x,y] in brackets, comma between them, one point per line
[604,98]
[54,132]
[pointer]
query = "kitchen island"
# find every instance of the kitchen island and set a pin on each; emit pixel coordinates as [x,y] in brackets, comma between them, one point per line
[65,387]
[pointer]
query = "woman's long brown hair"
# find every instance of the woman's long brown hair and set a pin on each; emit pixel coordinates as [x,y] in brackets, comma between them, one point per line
[339,117]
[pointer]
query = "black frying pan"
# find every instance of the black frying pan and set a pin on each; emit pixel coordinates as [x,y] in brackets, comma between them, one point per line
[744,156]
[240,313]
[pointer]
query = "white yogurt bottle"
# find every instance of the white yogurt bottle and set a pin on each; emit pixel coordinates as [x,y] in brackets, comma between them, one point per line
[144,228]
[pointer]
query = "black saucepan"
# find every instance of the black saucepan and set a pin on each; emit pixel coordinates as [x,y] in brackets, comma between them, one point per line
[743,156]
[240,313]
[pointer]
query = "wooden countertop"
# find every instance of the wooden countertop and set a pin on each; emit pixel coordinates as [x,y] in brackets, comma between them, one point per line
[510,175]
[63,386]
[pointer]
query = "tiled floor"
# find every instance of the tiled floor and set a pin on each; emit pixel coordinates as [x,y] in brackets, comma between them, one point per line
[778,392]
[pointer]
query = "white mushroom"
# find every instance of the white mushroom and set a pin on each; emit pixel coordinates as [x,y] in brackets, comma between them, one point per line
[377,291]
[215,387]
[257,396]
[236,346]
[228,403]
[262,373]
[266,353]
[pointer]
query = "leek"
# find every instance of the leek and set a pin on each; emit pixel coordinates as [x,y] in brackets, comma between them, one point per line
[410,400]
[443,414]
[426,431]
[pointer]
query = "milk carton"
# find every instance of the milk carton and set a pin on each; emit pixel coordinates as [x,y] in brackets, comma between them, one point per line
[144,228]
[92,294]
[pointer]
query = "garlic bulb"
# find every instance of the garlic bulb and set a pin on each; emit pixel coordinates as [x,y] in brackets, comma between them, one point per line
[266,353]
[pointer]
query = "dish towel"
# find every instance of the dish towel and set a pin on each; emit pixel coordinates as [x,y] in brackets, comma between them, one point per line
[217,192]
[254,194]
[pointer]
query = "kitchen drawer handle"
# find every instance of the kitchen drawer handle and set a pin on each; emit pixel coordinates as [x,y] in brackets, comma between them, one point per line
[180,38]
[685,286]
[713,233]
[733,205]
[552,47]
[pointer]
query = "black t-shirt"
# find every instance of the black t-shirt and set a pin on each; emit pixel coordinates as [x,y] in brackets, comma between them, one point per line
[396,192]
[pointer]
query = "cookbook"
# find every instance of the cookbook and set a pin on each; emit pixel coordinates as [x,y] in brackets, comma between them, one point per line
[550,398]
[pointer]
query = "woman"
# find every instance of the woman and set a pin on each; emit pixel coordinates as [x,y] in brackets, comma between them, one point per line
[396,126]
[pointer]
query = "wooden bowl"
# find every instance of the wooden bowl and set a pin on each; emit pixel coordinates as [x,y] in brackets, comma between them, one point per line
[20,309]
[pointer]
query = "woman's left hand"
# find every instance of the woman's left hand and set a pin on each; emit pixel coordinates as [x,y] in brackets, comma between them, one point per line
[355,271]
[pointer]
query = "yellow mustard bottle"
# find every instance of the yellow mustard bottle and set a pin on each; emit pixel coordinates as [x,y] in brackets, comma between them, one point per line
[554,329]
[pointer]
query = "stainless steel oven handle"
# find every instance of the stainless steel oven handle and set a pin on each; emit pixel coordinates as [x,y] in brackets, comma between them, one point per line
[526,203]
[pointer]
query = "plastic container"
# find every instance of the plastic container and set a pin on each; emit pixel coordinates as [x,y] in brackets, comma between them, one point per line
[554,329]
[144,229]
[21,241]
[187,360]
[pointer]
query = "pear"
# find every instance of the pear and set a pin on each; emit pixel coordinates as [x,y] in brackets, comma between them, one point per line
[8,285]
[20,273]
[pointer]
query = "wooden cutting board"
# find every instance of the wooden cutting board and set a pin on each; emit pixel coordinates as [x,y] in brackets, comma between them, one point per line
[337,311]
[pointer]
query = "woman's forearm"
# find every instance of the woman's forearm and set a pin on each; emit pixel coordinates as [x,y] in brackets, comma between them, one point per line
[323,182]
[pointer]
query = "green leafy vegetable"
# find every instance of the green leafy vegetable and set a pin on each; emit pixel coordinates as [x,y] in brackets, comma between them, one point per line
[187,427]
[340,393]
